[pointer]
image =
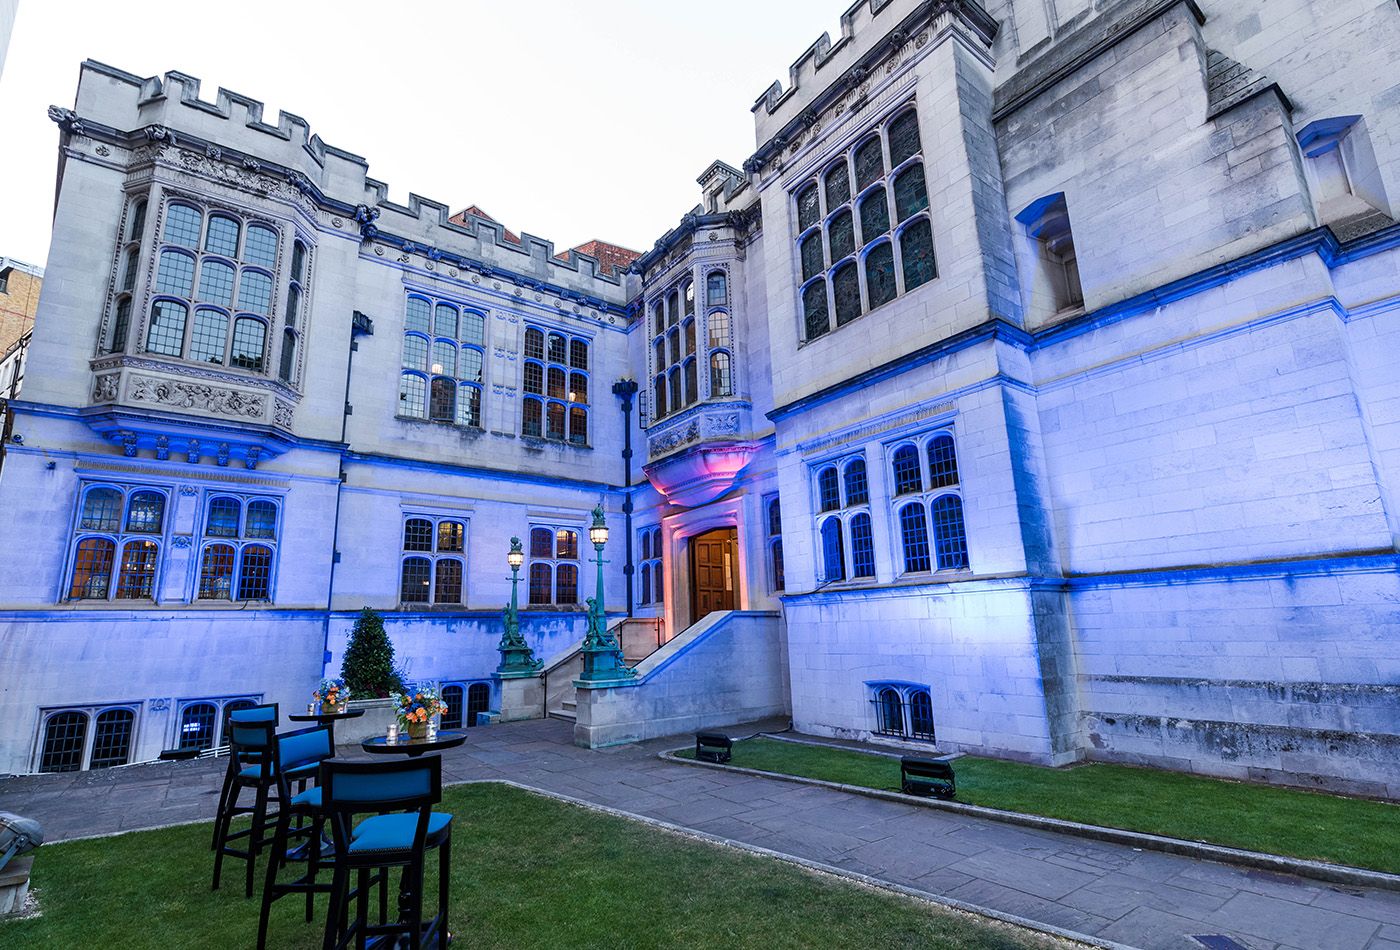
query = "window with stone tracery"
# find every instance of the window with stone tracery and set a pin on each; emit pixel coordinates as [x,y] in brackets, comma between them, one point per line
[675,377]
[443,367]
[555,378]
[864,235]
[845,538]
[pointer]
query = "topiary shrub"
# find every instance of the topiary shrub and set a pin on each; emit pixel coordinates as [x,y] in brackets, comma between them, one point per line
[368,668]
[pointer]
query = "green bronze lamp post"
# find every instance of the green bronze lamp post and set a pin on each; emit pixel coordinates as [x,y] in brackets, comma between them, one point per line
[602,655]
[517,659]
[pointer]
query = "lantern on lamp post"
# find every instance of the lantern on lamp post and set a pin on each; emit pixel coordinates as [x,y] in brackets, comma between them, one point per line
[602,655]
[517,659]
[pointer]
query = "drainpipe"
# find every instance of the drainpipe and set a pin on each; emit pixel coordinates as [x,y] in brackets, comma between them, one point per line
[360,325]
[625,389]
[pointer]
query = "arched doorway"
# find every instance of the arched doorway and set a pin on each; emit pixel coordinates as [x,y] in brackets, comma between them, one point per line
[714,572]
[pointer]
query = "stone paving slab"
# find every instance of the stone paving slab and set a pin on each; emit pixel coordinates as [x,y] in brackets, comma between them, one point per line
[1106,891]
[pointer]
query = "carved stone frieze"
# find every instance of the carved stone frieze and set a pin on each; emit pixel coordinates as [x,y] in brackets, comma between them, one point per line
[282,413]
[183,394]
[105,388]
[674,439]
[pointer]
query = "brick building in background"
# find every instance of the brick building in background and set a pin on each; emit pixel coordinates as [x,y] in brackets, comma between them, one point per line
[19,299]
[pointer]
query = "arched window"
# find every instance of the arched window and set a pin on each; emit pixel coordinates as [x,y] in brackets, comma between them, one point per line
[249,343]
[833,555]
[890,713]
[145,513]
[447,581]
[255,292]
[534,378]
[532,420]
[690,338]
[445,321]
[838,186]
[473,328]
[904,138]
[121,326]
[862,547]
[442,400]
[182,225]
[845,286]
[413,396]
[716,289]
[102,510]
[298,261]
[720,326]
[419,315]
[857,486]
[721,378]
[138,221]
[910,194]
[444,358]
[578,424]
[814,309]
[841,235]
[879,274]
[556,383]
[578,359]
[454,700]
[659,389]
[216,572]
[942,462]
[554,421]
[478,701]
[921,715]
[418,534]
[688,295]
[811,253]
[129,270]
[949,533]
[916,250]
[414,580]
[828,489]
[674,384]
[197,724]
[286,366]
[262,520]
[906,470]
[209,337]
[578,387]
[223,518]
[167,331]
[913,532]
[659,316]
[469,405]
[255,573]
[541,543]
[870,162]
[65,736]
[260,247]
[541,584]
[175,275]
[92,569]
[216,283]
[222,236]
[874,215]
[557,348]
[111,739]
[646,584]
[534,344]
[809,210]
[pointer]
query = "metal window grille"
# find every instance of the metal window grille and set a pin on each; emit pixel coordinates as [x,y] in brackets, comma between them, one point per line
[197,726]
[478,701]
[921,715]
[111,739]
[65,734]
[452,696]
[889,713]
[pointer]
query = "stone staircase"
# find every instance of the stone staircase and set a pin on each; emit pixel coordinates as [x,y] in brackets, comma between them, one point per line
[639,637]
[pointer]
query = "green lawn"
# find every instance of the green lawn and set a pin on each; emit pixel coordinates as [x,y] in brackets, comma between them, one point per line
[1236,814]
[528,871]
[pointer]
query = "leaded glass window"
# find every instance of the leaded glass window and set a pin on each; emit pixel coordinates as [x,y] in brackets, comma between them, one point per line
[910,194]
[828,489]
[721,375]
[913,532]
[942,462]
[260,247]
[255,292]
[904,138]
[814,309]
[197,724]
[102,510]
[916,249]
[222,237]
[65,735]
[223,518]
[812,263]
[950,535]
[862,547]
[838,186]
[556,366]
[182,225]
[870,162]
[906,470]
[216,283]
[874,215]
[413,396]
[841,236]
[417,318]
[175,274]
[534,344]
[414,579]
[833,553]
[92,569]
[857,487]
[879,275]
[249,343]
[445,320]
[453,394]
[167,332]
[845,286]
[809,210]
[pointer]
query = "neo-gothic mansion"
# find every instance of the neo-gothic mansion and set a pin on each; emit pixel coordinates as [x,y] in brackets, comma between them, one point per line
[1029,390]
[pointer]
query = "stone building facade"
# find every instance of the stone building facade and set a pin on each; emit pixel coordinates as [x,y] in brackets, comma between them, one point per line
[1034,366]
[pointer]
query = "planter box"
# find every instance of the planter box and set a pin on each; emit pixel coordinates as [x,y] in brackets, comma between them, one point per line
[14,885]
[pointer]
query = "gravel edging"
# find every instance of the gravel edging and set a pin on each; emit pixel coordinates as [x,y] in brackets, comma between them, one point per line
[1316,870]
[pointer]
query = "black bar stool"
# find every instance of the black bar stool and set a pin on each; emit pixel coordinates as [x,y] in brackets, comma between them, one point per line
[384,841]
[264,713]
[298,751]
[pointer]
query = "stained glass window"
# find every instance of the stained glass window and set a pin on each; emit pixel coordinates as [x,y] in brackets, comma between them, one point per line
[809,210]
[814,309]
[870,162]
[950,535]
[812,263]
[916,248]
[862,547]
[879,274]
[874,216]
[910,194]
[913,531]
[838,186]
[845,285]
[904,138]
[842,236]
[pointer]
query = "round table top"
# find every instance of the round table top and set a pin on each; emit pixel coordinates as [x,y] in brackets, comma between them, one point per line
[447,739]
[324,717]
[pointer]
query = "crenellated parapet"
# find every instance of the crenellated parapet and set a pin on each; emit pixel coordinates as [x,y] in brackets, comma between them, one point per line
[827,72]
[127,111]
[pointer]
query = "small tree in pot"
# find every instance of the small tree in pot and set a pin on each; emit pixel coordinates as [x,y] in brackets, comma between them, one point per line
[368,667]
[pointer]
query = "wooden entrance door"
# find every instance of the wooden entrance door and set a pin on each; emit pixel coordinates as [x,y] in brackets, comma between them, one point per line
[714,566]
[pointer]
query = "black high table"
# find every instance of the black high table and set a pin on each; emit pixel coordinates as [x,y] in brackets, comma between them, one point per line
[448,739]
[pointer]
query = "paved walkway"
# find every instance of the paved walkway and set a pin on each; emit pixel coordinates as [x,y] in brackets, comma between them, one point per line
[1114,893]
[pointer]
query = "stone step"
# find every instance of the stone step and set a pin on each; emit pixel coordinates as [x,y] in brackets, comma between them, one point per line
[563,716]
[569,706]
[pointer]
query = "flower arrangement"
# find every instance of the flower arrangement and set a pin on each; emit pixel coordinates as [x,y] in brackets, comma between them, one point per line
[415,708]
[332,694]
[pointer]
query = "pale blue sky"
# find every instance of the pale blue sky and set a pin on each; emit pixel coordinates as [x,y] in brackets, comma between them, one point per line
[569,120]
